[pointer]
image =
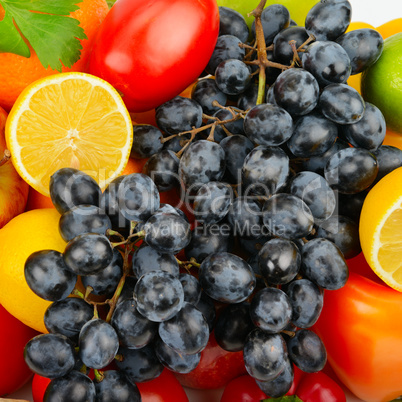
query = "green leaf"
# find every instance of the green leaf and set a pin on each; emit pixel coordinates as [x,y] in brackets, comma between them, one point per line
[110,3]
[286,398]
[54,36]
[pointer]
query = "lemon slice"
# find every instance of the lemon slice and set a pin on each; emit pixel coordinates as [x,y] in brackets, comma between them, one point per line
[381,229]
[69,120]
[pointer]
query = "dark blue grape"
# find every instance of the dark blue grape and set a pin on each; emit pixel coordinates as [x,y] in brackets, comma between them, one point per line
[248,98]
[350,205]
[324,264]
[128,289]
[234,127]
[245,217]
[207,308]
[313,135]
[265,170]
[232,327]
[264,355]
[67,317]
[98,343]
[159,296]
[140,365]
[279,261]
[341,103]
[191,287]
[231,22]
[327,20]
[167,208]
[205,92]
[283,52]
[146,141]
[134,330]
[83,219]
[232,76]
[253,245]
[388,158]
[307,351]
[50,355]
[307,300]
[178,114]
[297,91]
[74,386]
[48,276]
[287,216]
[328,62]
[116,387]
[226,277]
[176,143]
[351,170]
[268,124]
[363,46]
[70,187]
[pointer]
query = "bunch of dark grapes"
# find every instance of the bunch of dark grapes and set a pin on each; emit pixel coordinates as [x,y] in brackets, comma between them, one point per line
[270,160]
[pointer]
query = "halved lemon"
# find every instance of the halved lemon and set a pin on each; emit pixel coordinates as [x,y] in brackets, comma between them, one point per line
[69,120]
[381,229]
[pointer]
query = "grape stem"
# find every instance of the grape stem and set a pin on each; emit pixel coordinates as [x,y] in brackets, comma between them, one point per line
[188,264]
[6,157]
[99,376]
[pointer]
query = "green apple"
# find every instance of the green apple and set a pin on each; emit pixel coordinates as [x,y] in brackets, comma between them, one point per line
[298,9]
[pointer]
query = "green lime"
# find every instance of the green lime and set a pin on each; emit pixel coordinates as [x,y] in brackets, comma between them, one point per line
[298,9]
[382,82]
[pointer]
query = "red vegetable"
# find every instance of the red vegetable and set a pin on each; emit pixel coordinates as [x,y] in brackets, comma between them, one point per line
[151,50]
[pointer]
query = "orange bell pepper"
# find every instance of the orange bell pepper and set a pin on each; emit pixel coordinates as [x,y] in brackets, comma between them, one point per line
[361,327]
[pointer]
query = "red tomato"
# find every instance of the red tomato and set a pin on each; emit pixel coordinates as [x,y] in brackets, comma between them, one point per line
[152,50]
[14,372]
[242,389]
[39,385]
[164,388]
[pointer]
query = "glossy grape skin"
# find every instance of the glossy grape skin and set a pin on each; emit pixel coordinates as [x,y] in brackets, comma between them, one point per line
[341,104]
[140,365]
[280,385]
[268,124]
[167,208]
[369,131]
[175,361]
[147,259]
[236,148]
[207,307]
[271,310]
[328,62]
[203,161]
[232,326]
[264,355]
[178,114]
[307,351]
[50,355]
[146,141]
[212,202]
[248,98]
[205,92]
[274,18]
[133,329]
[351,170]
[74,386]
[88,254]
[279,261]
[283,52]
[48,276]
[328,20]
[226,277]
[388,158]
[232,76]
[363,46]
[231,22]
[227,47]
[315,191]
[98,343]
[83,219]
[191,287]
[297,91]
[313,135]
[234,127]
[70,187]
[163,169]
[307,300]
[245,217]
[175,144]
[167,232]
[187,332]
[342,231]
[324,264]
[116,387]
[287,216]
[159,296]
[67,317]
[265,170]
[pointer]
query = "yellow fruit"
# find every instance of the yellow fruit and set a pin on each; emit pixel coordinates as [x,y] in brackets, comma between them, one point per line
[69,120]
[381,229]
[26,233]
[382,82]
[390,28]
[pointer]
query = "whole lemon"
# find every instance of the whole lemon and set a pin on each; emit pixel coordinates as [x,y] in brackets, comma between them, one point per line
[28,232]
[382,82]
